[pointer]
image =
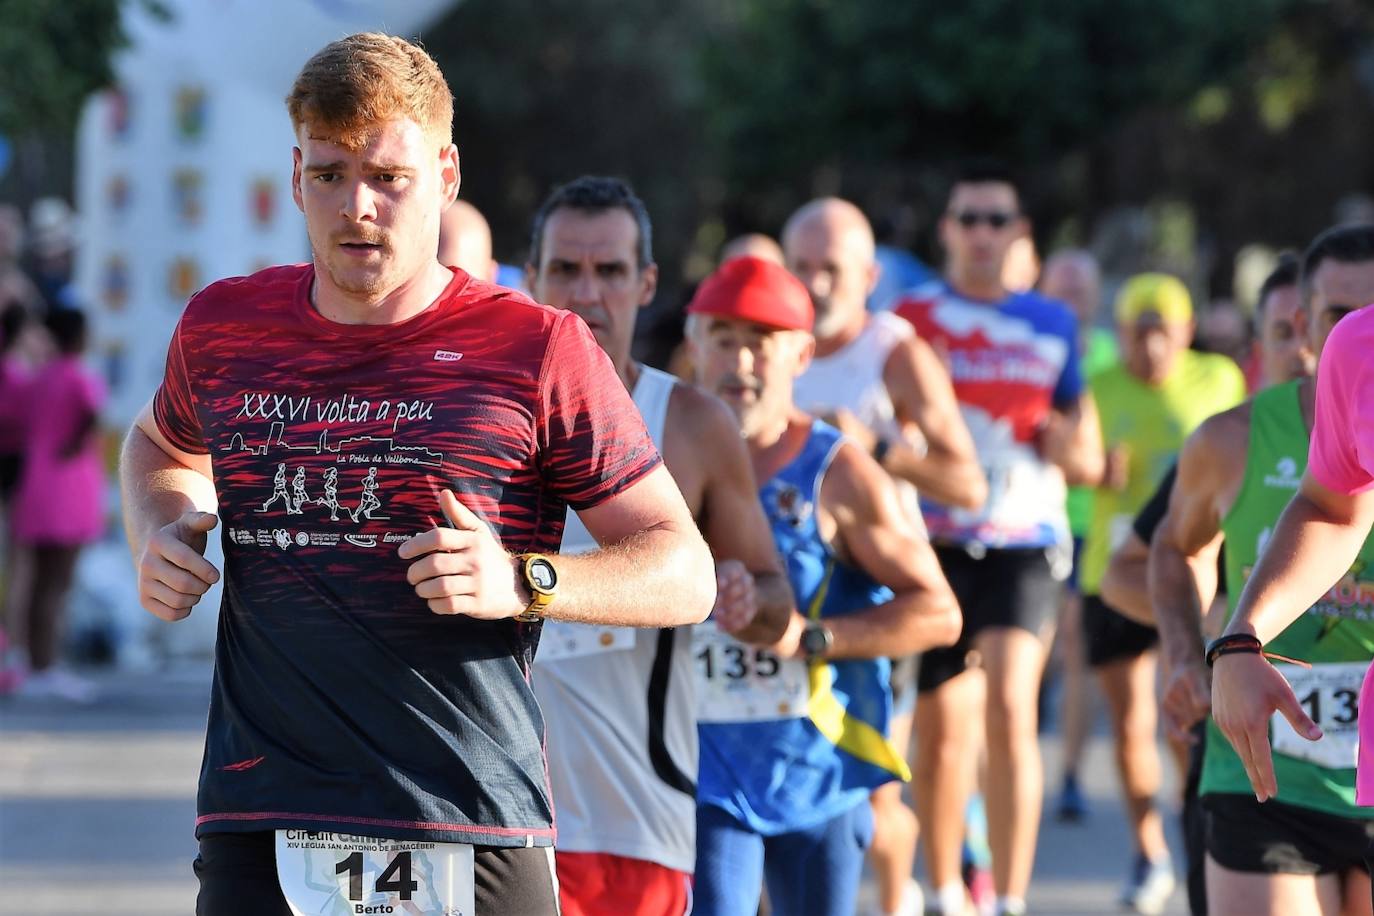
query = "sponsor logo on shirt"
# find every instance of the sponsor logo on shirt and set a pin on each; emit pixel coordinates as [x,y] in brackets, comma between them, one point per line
[447,356]
[790,505]
[1285,476]
[285,539]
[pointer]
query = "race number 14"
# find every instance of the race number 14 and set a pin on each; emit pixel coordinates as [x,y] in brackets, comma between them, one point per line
[329,874]
[395,879]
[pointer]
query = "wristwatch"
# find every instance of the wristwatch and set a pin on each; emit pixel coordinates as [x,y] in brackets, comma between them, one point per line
[541,578]
[816,640]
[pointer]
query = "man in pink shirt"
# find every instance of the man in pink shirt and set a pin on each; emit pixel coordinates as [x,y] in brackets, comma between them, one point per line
[1313,545]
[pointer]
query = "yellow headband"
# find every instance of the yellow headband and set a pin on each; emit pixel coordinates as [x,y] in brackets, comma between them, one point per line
[1162,294]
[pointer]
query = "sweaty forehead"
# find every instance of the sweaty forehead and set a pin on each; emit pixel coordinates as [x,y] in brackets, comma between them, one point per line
[397,142]
[575,235]
[1341,283]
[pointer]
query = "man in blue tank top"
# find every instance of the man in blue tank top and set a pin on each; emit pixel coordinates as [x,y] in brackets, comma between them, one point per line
[794,736]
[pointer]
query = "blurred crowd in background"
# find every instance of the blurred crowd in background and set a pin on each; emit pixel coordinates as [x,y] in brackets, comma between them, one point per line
[52,464]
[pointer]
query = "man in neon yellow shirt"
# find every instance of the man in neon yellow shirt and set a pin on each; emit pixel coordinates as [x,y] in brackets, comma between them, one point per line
[1148,404]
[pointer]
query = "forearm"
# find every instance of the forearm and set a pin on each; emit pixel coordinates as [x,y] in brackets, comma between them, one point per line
[1083,466]
[661,577]
[775,609]
[85,429]
[906,624]
[1177,599]
[156,489]
[939,474]
[1072,441]
[1308,553]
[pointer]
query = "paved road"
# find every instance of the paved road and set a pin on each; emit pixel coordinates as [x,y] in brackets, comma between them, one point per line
[97,805]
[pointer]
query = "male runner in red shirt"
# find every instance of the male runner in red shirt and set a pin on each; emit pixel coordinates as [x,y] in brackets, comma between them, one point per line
[372,667]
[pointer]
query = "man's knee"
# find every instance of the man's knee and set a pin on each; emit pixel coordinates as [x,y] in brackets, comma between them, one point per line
[1011,712]
[941,754]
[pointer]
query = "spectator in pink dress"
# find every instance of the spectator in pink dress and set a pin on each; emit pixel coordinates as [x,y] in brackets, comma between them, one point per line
[59,506]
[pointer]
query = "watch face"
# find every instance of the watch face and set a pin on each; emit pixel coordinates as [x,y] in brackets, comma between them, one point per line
[542,575]
[813,640]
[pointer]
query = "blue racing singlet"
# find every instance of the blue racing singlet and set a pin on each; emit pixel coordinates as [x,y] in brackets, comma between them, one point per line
[787,774]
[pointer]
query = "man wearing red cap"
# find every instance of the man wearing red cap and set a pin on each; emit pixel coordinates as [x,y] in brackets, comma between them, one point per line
[621,697]
[795,737]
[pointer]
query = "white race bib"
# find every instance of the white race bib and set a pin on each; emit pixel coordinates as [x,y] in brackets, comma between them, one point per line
[742,683]
[1330,694]
[337,874]
[560,639]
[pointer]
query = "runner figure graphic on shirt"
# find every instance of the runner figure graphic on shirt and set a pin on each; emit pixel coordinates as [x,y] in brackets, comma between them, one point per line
[299,496]
[278,490]
[369,503]
[331,493]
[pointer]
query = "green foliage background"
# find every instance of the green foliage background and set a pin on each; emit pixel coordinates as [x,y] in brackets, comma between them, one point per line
[54,53]
[1178,130]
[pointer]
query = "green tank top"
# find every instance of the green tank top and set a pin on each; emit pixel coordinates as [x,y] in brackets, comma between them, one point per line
[1336,634]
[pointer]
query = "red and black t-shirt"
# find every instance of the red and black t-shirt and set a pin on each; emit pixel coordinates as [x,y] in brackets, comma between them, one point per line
[340,701]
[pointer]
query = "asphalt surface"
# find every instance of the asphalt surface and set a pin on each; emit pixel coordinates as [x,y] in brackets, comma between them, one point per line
[97,806]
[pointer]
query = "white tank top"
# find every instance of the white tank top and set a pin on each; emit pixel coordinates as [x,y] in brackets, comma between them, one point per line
[852,378]
[619,709]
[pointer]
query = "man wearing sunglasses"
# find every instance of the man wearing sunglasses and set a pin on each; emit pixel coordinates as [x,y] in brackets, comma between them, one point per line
[1013,359]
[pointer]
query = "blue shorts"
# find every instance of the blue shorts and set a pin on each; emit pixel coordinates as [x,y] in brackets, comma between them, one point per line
[813,872]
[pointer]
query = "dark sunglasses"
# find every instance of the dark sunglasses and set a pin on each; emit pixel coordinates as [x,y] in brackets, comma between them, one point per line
[997,219]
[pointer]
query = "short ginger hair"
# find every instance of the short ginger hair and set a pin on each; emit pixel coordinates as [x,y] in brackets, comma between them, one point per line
[357,83]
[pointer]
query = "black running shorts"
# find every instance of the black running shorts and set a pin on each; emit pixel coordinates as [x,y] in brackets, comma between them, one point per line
[1001,588]
[1280,839]
[238,875]
[1111,636]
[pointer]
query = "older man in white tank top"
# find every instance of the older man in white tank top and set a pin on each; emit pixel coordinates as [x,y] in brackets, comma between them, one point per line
[620,706]
[887,390]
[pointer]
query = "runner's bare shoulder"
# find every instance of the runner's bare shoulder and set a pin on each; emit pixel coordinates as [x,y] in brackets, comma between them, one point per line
[1213,457]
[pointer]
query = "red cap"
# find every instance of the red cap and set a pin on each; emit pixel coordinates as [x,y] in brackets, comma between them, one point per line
[752,289]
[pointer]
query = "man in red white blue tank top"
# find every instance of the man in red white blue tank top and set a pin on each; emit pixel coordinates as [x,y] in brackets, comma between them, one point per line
[1013,359]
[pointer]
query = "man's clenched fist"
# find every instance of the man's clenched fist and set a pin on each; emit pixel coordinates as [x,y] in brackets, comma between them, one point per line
[173,573]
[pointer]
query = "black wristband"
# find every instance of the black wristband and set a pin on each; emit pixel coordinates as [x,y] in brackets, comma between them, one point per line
[1231,643]
[881,448]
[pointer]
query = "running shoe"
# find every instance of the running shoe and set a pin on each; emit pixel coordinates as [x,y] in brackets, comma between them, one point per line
[977,858]
[59,684]
[1073,807]
[913,901]
[981,891]
[1150,885]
